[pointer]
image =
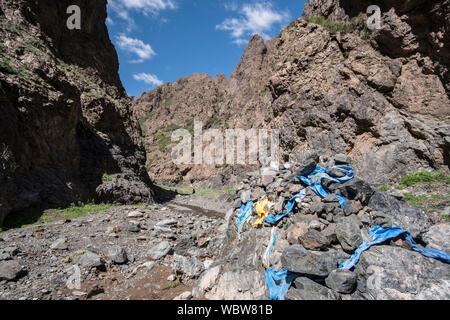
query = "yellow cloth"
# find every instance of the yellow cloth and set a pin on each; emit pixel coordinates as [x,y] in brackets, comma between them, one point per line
[262,209]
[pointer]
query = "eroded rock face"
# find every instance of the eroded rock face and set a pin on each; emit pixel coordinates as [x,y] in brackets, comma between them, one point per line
[379,96]
[386,273]
[67,132]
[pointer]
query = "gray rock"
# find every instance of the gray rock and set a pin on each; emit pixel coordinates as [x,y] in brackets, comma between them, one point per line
[342,159]
[267,179]
[206,281]
[336,173]
[117,255]
[306,289]
[8,253]
[352,207]
[330,233]
[394,273]
[257,194]
[134,226]
[90,260]
[184,296]
[314,240]
[243,284]
[10,270]
[135,214]
[317,206]
[348,233]
[60,244]
[401,213]
[307,162]
[183,244]
[278,207]
[331,198]
[167,223]
[188,267]
[341,280]
[297,259]
[246,196]
[162,232]
[160,250]
[355,189]
[237,203]
[438,237]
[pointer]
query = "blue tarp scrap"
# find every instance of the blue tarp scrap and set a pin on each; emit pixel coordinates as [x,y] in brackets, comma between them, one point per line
[244,214]
[278,283]
[380,235]
[316,187]
[289,207]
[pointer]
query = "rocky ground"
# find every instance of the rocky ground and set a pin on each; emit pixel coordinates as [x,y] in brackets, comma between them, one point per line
[318,236]
[127,252]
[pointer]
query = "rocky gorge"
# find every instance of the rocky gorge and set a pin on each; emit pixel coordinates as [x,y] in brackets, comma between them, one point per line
[82,218]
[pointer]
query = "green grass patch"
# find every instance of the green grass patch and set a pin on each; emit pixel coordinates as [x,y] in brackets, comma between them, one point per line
[172,285]
[148,117]
[214,121]
[8,161]
[412,179]
[425,202]
[384,188]
[106,177]
[265,91]
[5,65]
[168,102]
[30,47]
[201,192]
[337,26]
[39,217]
[162,141]
[77,254]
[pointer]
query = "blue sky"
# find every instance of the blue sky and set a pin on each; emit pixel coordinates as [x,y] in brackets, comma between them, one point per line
[163,40]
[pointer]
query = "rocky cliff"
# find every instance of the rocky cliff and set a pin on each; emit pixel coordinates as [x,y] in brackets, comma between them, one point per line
[331,86]
[67,133]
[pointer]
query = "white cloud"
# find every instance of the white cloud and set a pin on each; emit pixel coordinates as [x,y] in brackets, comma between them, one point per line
[148,78]
[149,6]
[257,18]
[123,8]
[142,50]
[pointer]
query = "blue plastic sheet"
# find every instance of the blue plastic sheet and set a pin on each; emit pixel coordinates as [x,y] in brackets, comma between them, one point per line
[289,207]
[380,235]
[316,187]
[278,283]
[244,214]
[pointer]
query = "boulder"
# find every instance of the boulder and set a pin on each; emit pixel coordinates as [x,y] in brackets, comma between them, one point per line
[348,233]
[438,237]
[297,259]
[117,255]
[160,250]
[90,260]
[394,273]
[314,240]
[307,289]
[10,270]
[188,267]
[341,280]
